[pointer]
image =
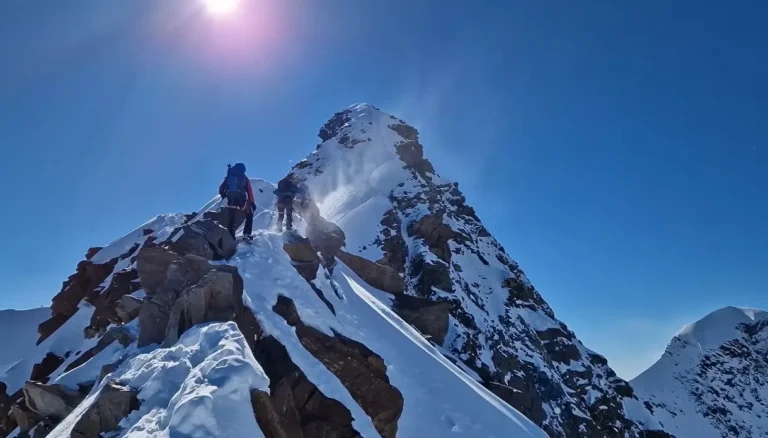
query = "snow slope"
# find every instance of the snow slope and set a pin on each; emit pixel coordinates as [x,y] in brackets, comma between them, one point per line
[712,380]
[19,329]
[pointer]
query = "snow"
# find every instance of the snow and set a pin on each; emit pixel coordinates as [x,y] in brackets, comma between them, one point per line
[198,388]
[23,325]
[440,399]
[162,227]
[719,327]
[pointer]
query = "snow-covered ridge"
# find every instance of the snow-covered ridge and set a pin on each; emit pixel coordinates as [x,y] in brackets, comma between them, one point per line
[712,380]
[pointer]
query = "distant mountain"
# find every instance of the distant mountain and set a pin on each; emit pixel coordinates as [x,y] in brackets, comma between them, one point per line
[712,381]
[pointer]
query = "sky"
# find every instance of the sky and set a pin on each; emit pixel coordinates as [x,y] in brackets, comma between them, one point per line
[618,150]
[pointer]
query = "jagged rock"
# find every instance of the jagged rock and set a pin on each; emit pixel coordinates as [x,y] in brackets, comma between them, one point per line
[213,298]
[526,401]
[49,364]
[114,334]
[358,368]
[429,317]
[392,242]
[429,275]
[105,313]
[294,396]
[304,257]
[128,308]
[205,238]
[326,237]
[79,286]
[271,422]
[152,264]
[53,401]
[92,252]
[154,314]
[112,405]
[435,234]
[24,418]
[379,276]
[221,217]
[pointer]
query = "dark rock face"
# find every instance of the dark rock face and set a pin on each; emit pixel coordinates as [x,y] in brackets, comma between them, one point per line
[52,401]
[326,237]
[46,367]
[114,334]
[206,239]
[381,277]
[304,257]
[151,264]
[105,313]
[429,317]
[127,308]
[112,405]
[360,370]
[302,410]
[500,325]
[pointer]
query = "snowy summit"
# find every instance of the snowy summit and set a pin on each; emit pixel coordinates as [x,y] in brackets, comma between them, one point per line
[390,311]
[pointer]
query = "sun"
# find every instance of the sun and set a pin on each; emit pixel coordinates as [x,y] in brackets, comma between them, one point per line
[221,7]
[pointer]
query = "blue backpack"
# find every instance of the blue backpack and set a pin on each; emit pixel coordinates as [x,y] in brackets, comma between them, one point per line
[236,184]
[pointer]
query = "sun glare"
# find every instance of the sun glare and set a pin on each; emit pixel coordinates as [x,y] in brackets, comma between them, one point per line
[221,7]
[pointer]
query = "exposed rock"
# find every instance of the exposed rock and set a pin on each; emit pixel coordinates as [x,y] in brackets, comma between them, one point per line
[205,238]
[46,367]
[156,310]
[429,275]
[114,334]
[392,243]
[92,252]
[359,369]
[435,234]
[271,422]
[112,405]
[429,317]
[128,308]
[24,418]
[294,396]
[379,276]
[53,401]
[221,217]
[304,257]
[79,286]
[105,312]
[213,298]
[327,238]
[152,264]
[527,401]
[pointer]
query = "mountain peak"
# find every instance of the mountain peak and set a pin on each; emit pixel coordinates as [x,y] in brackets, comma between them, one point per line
[719,327]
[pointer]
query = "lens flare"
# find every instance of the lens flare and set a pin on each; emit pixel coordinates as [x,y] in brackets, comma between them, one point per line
[221,7]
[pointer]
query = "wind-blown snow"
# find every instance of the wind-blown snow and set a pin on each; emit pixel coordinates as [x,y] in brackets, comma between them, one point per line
[719,327]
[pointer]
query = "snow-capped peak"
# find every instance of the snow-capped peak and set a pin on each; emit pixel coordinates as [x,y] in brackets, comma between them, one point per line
[719,327]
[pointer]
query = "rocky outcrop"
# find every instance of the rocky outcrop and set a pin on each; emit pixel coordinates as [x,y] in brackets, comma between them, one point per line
[113,403]
[381,277]
[221,216]
[360,370]
[295,408]
[213,298]
[206,239]
[127,308]
[304,256]
[429,317]
[105,313]
[54,401]
[115,334]
[327,238]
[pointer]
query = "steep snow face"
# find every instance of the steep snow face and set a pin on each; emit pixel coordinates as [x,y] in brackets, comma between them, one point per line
[19,329]
[712,380]
[371,177]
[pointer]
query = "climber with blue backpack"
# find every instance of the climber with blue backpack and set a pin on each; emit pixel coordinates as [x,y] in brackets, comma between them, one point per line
[237,190]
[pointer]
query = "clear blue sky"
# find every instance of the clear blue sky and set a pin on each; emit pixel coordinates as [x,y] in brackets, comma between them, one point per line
[619,150]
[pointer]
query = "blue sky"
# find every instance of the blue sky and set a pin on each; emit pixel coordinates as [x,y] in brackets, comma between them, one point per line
[617,150]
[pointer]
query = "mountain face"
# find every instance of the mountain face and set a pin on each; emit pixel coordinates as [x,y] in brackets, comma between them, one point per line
[371,177]
[712,380]
[420,326]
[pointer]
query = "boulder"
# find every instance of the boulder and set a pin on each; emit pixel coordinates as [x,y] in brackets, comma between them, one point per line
[205,238]
[152,263]
[379,276]
[429,317]
[43,369]
[53,401]
[303,255]
[271,423]
[112,405]
[25,418]
[326,237]
[128,308]
[213,298]
[123,283]
[156,309]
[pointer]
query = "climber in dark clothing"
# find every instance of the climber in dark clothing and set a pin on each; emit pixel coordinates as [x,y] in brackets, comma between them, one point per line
[286,191]
[237,190]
